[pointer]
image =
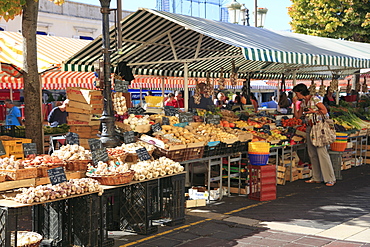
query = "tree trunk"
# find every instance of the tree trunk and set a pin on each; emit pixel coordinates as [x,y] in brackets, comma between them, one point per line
[32,81]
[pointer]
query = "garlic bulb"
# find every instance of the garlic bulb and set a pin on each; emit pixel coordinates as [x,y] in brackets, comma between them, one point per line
[72,152]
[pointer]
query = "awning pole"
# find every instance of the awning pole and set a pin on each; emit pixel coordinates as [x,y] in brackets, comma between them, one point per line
[294,78]
[163,87]
[11,93]
[186,88]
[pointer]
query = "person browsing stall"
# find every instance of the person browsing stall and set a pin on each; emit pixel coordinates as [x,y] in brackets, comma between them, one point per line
[322,168]
[58,115]
[13,116]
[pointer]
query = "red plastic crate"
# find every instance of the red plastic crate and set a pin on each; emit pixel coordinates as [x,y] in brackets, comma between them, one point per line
[262,182]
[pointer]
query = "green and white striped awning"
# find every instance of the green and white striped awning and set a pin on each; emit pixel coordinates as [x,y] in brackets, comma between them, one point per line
[159,43]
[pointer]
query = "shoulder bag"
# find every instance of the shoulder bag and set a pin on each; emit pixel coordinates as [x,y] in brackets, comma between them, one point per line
[323,131]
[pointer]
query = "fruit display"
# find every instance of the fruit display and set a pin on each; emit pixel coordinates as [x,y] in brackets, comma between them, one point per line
[291,122]
[119,103]
[72,152]
[44,193]
[153,169]
[158,118]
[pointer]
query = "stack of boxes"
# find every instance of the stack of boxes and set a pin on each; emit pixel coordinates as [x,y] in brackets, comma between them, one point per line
[83,105]
[262,182]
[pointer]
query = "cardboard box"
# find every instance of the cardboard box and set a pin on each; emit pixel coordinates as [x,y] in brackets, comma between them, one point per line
[195,203]
[201,193]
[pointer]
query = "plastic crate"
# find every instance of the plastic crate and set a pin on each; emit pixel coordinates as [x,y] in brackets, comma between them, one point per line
[139,206]
[227,148]
[262,182]
[13,131]
[258,159]
[212,149]
[175,155]
[173,199]
[194,153]
[14,147]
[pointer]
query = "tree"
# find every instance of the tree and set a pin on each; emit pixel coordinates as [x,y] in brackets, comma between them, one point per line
[32,84]
[339,19]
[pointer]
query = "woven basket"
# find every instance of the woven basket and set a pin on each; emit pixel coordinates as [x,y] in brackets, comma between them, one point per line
[42,171]
[18,174]
[25,233]
[123,178]
[77,165]
[121,157]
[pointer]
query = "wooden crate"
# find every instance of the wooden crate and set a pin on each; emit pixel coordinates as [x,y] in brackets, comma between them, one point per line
[14,146]
[79,117]
[83,95]
[19,174]
[78,122]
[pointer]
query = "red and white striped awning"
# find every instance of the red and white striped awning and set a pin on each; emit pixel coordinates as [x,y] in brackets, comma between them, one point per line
[53,80]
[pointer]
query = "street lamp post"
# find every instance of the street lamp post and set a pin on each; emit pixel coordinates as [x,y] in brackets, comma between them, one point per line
[107,120]
[234,11]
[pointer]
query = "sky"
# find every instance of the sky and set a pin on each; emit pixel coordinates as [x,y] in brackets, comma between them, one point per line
[277,17]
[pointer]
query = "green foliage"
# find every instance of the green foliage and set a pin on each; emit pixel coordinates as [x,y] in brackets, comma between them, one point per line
[339,19]
[9,9]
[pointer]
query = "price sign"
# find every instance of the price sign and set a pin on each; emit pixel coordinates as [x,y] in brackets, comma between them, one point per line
[156,127]
[128,137]
[143,154]
[278,123]
[57,175]
[137,110]
[72,138]
[29,149]
[121,86]
[2,149]
[213,119]
[170,111]
[185,117]
[98,152]
[244,117]
[165,121]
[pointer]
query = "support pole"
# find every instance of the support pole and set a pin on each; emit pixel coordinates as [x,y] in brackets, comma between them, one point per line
[107,120]
[186,87]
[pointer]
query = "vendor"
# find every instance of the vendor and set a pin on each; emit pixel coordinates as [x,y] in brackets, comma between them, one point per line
[171,101]
[58,115]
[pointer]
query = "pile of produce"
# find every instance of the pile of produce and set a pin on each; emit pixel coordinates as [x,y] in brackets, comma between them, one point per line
[72,152]
[63,128]
[25,238]
[291,122]
[104,169]
[347,119]
[119,103]
[153,169]
[136,120]
[44,193]
[132,147]
[42,160]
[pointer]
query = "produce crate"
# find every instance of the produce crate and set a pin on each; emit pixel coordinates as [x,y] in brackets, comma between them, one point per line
[123,178]
[77,165]
[194,153]
[14,147]
[139,206]
[262,182]
[18,174]
[42,171]
[173,199]
[212,149]
[13,131]
[227,148]
[175,155]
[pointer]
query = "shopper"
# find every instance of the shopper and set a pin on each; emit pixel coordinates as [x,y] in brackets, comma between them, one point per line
[179,98]
[329,98]
[322,169]
[171,101]
[58,115]
[238,105]
[13,116]
[221,100]
[254,102]
[284,103]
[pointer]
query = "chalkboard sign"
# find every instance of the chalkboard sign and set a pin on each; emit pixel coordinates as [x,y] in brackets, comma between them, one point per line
[243,117]
[213,119]
[156,127]
[165,121]
[121,86]
[29,148]
[143,154]
[128,137]
[278,123]
[170,111]
[185,117]
[57,175]
[137,110]
[72,138]
[2,149]
[98,152]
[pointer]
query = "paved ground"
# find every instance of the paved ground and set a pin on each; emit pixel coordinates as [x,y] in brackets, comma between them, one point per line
[302,215]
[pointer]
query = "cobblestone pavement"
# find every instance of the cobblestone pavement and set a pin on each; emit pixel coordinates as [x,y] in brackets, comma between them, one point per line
[302,215]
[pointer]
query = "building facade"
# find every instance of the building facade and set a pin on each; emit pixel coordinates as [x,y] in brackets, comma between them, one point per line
[72,20]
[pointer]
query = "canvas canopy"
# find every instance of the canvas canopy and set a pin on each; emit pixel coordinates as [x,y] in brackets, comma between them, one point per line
[167,44]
